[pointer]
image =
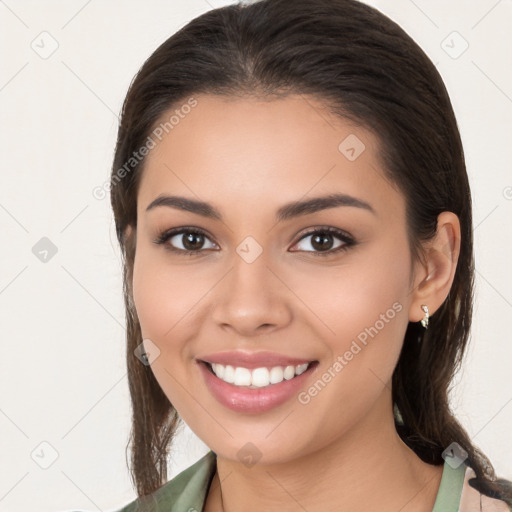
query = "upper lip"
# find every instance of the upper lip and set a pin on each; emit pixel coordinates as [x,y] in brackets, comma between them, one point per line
[253,360]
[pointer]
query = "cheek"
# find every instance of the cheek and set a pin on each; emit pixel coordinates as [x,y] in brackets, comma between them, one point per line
[148,295]
[365,306]
[165,299]
[354,295]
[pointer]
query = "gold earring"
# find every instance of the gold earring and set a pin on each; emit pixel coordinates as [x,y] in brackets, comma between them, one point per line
[424,320]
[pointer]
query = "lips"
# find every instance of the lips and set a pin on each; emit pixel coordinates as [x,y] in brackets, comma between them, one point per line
[253,360]
[254,399]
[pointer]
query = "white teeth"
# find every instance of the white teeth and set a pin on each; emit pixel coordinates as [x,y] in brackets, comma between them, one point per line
[301,368]
[229,374]
[259,377]
[242,377]
[276,375]
[289,372]
[218,369]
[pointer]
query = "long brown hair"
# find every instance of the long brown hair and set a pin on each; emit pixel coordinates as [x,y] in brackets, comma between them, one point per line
[367,69]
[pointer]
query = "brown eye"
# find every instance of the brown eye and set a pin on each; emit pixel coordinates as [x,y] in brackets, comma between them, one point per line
[192,241]
[184,240]
[323,241]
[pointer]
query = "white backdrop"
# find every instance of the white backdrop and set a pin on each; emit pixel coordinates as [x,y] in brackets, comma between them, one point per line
[66,66]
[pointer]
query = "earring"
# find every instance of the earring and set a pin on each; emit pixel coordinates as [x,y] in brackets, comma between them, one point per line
[424,320]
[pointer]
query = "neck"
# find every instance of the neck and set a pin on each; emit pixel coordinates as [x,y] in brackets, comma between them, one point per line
[367,468]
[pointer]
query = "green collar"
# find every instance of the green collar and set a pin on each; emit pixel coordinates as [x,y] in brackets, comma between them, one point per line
[186,492]
[450,489]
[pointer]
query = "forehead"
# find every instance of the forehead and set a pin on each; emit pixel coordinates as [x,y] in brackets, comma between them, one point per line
[234,152]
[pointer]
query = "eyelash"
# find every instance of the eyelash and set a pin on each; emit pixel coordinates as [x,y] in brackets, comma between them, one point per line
[347,240]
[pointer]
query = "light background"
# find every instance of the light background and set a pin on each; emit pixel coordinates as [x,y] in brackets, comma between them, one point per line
[62,370]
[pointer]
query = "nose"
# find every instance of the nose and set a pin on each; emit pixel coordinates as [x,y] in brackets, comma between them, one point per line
[252,299]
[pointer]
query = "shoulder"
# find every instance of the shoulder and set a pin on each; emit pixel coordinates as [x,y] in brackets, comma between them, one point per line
[475,499]
[186,491]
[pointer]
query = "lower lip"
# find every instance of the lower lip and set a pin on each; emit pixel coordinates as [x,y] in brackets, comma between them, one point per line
[242,399]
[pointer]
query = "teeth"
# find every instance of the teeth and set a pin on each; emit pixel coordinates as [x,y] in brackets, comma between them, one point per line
[242,377]
[229,374]
[289,372]
[276,375]
[219,370]
[259,377]
[301,368]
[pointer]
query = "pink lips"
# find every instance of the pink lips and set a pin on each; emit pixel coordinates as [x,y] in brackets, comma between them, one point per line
[252,360]
[245,399]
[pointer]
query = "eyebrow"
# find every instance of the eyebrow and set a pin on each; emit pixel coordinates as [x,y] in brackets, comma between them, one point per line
[285,212]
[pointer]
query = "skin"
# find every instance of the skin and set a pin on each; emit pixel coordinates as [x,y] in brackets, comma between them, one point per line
[248,157]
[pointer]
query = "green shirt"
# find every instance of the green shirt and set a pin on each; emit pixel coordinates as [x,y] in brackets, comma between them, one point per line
[187,491]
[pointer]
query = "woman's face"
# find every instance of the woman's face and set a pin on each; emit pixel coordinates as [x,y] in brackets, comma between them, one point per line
[264,276]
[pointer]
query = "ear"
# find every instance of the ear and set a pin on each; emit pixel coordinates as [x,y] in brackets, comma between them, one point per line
[434,274]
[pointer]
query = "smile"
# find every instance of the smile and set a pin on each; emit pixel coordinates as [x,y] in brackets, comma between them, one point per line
[255,390]
[257,377]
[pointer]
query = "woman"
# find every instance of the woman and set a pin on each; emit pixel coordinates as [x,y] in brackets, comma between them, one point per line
[292,204]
